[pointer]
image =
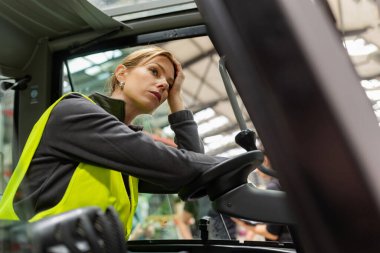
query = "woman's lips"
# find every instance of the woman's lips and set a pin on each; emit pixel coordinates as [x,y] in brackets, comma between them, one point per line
[157,95]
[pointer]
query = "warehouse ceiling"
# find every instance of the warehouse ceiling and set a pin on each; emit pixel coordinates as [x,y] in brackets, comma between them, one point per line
[203,91]
[357,23]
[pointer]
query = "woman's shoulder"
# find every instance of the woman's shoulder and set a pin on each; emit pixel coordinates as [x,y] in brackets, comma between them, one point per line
[76,104]
[75,108]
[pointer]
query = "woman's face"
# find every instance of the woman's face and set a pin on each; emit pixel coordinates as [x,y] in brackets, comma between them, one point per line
[147,85]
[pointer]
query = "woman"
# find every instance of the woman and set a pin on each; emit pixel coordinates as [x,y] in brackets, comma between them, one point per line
[83,151]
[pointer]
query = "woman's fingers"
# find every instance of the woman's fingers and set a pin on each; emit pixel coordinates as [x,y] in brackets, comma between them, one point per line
[175,100]
[179,75]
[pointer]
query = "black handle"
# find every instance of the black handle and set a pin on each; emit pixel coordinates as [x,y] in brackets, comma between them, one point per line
[246,139]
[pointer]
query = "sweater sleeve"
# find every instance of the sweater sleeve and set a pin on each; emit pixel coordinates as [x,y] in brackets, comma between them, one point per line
[81,131]
[186,137]
[186,131]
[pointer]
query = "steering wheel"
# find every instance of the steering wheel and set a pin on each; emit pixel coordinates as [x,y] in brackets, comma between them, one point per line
[222,178]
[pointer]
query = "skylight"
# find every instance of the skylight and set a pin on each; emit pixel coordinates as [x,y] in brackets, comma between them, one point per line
[89,63]
[204,114]
[370,84]
[212,124]
[358,47]
[373,95]
[124,10]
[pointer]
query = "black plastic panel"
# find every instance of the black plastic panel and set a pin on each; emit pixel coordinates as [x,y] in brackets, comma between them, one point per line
[299,87]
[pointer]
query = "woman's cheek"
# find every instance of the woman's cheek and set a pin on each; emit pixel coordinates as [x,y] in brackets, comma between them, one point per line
[164,96]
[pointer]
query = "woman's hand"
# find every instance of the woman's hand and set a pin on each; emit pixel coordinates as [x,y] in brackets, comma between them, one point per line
[175,99]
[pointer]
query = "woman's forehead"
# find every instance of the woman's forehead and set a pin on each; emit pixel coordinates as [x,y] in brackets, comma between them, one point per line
[163,62]
[158,58]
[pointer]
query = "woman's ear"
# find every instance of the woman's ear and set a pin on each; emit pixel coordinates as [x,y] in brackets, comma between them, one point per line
[120,71]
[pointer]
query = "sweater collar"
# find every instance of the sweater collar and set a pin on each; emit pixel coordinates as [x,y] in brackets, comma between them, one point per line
[113,106]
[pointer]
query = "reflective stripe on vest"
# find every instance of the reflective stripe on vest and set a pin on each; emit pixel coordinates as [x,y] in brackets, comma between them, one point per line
[89,186]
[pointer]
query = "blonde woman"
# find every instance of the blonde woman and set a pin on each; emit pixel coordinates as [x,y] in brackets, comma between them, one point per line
[84,152]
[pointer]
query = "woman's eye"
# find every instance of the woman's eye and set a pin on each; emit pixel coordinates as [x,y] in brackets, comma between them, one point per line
[154,71]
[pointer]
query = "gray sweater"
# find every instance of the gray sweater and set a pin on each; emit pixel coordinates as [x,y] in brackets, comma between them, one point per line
[80,131]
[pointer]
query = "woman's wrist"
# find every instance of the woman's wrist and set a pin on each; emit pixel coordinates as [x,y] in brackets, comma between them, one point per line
[176,104]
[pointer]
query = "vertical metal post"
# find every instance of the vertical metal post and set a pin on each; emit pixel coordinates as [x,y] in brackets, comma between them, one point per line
[231,94]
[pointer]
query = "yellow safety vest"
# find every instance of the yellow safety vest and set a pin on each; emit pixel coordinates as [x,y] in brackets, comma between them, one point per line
[89,186]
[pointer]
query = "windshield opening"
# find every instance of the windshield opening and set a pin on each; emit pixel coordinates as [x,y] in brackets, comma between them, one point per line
[165,216]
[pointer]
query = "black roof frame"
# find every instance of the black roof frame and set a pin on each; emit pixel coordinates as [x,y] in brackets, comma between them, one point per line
[325,164]
[108,43]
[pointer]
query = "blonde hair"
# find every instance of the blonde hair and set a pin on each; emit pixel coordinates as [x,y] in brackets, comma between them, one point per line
[136,58]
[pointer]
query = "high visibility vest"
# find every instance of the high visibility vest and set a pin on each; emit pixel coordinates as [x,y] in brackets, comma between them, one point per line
[89,186]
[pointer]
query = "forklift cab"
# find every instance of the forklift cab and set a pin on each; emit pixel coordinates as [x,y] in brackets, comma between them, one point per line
[301,76]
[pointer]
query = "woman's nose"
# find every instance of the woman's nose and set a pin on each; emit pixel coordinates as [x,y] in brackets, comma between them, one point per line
[163,84]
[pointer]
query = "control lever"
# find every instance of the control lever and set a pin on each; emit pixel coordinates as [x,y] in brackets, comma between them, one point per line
[246,138]
[204,222]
